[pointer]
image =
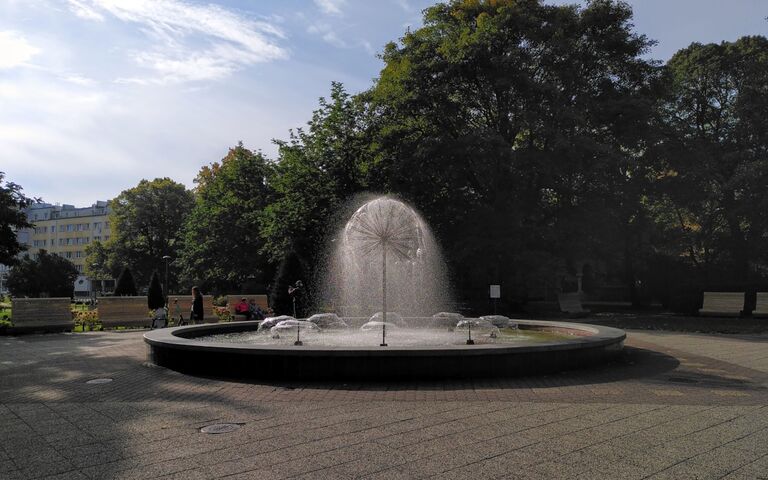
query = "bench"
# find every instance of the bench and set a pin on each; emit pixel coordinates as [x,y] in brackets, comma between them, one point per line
[233,300]
[570,303]
[761,305]
[185,302]
[124,312]
[41,314]
[722,304]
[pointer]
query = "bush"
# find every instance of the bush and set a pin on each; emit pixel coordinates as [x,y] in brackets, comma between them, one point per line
[125,286]
[220,301]
[223,314]
[86,319]
[155,297]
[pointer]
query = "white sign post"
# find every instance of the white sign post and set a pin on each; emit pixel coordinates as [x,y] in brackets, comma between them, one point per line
[495,295]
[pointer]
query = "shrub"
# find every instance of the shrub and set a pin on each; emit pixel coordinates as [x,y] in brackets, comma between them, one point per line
[86,319]
[155,297]
[223,314]
[125,286]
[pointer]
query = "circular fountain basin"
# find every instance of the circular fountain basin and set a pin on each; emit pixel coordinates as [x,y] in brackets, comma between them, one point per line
[572,346]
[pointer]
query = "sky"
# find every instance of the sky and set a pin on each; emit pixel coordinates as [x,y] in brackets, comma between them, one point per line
[97,94]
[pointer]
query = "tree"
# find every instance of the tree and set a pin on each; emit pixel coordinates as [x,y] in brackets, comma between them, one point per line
[100,263]
[712,159]
[46,275]
[155,298]
[319,169]
[125,285]
[146,223]
[12,218]
[221,235]
[517,128]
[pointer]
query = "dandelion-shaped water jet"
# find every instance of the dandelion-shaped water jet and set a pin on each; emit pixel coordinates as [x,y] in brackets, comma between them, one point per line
[382,226]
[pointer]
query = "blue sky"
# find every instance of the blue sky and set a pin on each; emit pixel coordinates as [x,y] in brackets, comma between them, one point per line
[98,94]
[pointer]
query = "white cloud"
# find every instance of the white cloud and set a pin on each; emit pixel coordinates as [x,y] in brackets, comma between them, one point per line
[15,50]
[83,10]
[331,7]
[191,42]
[327,33]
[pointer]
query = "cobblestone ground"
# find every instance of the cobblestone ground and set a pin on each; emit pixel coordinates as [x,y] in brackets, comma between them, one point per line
[675,406]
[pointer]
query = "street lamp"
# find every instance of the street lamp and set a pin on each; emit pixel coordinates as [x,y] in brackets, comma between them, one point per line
[166,258]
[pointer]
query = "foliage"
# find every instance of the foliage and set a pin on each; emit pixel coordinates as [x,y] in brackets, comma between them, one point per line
[12,218]
[146,223]
[99,264]
[125,285]
[155,297]
[221,233]
[318,170]
[86,319]
[526,123]
[711,159]
[47,275]
[223,314]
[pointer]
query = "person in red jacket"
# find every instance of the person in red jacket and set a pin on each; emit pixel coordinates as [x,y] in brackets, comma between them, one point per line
[243,308]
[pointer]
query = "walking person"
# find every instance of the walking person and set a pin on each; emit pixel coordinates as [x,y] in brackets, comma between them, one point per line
[197,312]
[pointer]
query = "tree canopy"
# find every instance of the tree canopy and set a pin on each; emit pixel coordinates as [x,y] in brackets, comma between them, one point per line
[12,218]
[46,275]
[222,242]
[146,223]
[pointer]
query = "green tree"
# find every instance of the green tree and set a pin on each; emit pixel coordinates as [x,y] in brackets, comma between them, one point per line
[712,160]
[517,128]
[100,263]
[155,298]
[46,275]
[319,169]
[221,234]
[12,218]
[146,223]
[125,285]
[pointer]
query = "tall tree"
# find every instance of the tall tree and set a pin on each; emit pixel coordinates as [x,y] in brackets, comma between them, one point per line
[46,275]
[319,169]
[221,235]
[713,157]
[517,128]
[155,297]
[146,223]
[12,218]
[125,286]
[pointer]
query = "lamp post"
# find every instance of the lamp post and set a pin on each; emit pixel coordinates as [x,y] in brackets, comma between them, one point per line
[166,258]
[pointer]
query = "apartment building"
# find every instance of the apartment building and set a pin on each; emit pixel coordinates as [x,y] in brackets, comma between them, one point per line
[66,230]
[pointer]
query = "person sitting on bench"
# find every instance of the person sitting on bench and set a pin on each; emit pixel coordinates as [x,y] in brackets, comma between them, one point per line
[243,308]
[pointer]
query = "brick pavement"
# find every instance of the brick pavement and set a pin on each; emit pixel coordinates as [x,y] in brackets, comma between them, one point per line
[674,406]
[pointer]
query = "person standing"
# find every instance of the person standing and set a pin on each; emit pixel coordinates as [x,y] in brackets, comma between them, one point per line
[197,306]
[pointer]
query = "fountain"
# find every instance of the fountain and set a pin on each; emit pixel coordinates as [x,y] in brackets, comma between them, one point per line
[387,278]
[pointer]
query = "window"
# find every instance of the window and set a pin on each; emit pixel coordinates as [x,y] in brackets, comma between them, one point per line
[70,241]
[97,238]
[53,228]
[62,241]
[79,254]
[70,227]
[67,254]
[106,237]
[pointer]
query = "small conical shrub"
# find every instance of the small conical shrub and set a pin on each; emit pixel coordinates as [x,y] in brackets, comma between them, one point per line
[155,298]
[125,286]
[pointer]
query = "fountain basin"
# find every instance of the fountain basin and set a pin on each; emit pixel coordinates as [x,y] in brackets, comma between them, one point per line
[178,349]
